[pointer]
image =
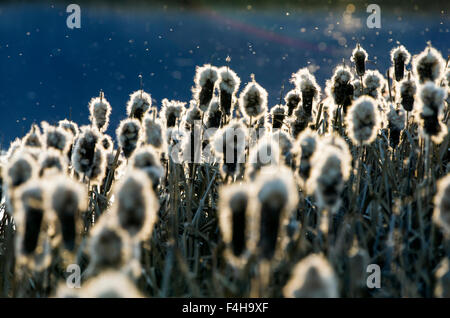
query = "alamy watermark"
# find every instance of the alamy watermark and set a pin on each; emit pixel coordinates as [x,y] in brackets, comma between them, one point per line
[74,19]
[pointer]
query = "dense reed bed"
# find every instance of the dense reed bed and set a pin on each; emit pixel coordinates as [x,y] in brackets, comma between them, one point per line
[225,196]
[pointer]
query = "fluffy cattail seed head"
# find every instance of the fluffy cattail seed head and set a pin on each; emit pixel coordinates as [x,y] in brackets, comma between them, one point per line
[407,94]
[396,123]
[253,101]
[51,162]
[138,104]
[171,111]
[128,134]
[400,58]
[57,138]
[278,113]
[33,138]
[147,160]
[205,80]
[307,142]
[363,121]
[340,87]
[428,65]
[106,143]
[306,83]
[19,169]
[312,277]
[359,57]
[214,114]
[277,198]
[154,132]
[292,99]
[136,205]
[69,126]
[228,85]
[431,110]
[99,110]
[265,153]
[373,83]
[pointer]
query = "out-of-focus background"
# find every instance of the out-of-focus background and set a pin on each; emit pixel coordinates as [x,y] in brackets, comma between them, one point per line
[50,72]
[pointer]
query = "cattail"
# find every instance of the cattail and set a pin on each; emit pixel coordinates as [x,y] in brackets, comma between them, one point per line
[330,170]
[441,213]
[428,65]
[278,113]
[29,208]
[67,200]
[442,289]
[228,85]
[400,57]
[363,121]
[230,143]
[175,140]
[253,100]
[299,121]
[69,126]
[136,205]
[171,111]
[265,153]
[110,284]
[99,110]
[109,247]
[33,138]
[107,143]
[235,219]
[285,144]
[431,111]
[407,94]
[138,104]
[292,100]
[340,87]
[147,160]
[153,132]
[307,142]
[193,114]
[88,158]
[312,277]
[57,138]
[277,198]
[19,169]
[192,144]
[306,83]
[373,83]
[205,81]
[396,119]
[128,135]
[51,161]
[359,57]
[213,114]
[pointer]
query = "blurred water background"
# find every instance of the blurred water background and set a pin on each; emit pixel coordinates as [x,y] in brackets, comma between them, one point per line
[50,72]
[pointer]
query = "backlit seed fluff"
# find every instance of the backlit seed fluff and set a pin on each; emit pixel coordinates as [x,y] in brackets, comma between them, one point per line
[292,99]
[100,110]
[306,83]
[359,57]
[138,104]
[407,94]
[253,101]
[307,141]
[396,123]
[400,57]
[109,246]
[67,199]
[277,197]
[340,87]
[88,158]
[278,113]
[19,169]
[285,144]
[153,132]
[69,126]
[57,138]
[431,111]
[229,83]
[363,121]
[172,111]
[110,284]
[265,153]
[128,135]
[147,160]
[14,147]
[428,65]
[33,138]
[373,83]
[312,277]
[441,214]
[213,114]
[235,221]
[205,80]
[136,206]
[51,162]
[193,114]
